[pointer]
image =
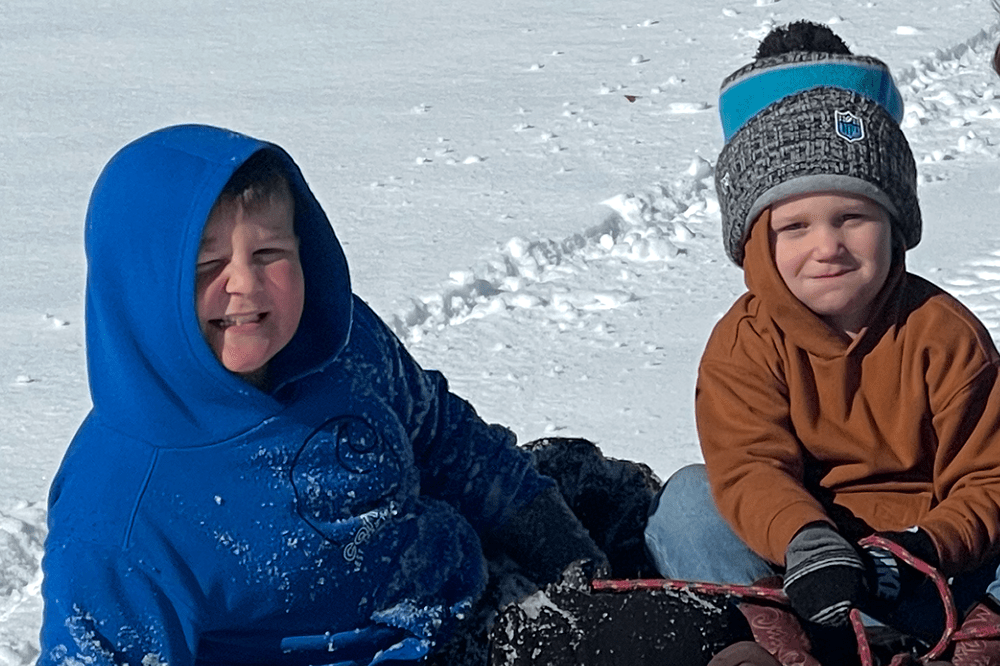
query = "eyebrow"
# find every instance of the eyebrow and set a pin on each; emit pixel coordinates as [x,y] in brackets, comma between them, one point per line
[207,243]
[274,233]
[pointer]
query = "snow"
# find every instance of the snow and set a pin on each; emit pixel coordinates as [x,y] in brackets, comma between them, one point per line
[523,191]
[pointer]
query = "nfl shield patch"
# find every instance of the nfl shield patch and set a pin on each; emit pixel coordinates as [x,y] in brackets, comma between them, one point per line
[849,126]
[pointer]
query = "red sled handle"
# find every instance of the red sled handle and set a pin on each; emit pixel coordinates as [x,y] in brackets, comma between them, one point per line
[776,595]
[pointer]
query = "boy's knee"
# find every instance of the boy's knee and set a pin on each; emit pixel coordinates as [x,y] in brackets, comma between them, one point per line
[680,505]
[690,477]
[685,490]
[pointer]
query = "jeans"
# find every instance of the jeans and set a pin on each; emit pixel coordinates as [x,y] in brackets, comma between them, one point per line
[687,539]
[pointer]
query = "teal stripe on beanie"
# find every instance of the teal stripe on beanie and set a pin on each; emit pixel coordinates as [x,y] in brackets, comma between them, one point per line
[745,97]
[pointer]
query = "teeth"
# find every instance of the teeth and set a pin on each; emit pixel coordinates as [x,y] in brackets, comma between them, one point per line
[239,321]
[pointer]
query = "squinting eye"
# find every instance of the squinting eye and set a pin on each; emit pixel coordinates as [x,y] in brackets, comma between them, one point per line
[205,267]
[271,253]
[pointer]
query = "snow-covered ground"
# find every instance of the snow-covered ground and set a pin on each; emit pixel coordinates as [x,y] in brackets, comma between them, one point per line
[549,244]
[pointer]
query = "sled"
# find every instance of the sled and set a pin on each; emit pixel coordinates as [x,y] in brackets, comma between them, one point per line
[636,619]
[638,622]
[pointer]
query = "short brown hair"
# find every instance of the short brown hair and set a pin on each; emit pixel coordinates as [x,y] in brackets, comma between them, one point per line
[258,179]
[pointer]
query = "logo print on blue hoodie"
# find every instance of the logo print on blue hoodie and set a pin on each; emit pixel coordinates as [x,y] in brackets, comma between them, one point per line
[326,496]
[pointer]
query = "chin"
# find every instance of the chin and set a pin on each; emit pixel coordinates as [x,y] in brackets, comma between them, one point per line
[243,367]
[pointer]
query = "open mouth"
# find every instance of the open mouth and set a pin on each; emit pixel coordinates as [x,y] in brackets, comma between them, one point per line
[239,320]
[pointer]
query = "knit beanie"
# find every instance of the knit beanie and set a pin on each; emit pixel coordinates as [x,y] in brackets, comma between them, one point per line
[808,116]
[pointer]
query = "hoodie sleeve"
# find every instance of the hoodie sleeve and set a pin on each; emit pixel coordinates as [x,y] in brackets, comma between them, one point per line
[474,466]
[104,609]
[754,461]
[962,370]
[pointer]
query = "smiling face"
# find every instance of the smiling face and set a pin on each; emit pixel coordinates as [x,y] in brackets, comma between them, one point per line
[250,288]
[833,250]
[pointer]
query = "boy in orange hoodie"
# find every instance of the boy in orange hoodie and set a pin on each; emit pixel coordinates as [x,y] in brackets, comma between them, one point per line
[840,396]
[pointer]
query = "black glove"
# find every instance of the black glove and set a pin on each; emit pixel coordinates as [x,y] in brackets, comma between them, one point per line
[892,579]
[824,575]
[545,537]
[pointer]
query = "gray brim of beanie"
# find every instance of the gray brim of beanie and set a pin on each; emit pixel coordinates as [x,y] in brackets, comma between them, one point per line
[817,184]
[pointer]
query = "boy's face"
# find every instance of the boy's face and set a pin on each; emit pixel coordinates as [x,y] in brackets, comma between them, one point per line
[833,250]
[250,288]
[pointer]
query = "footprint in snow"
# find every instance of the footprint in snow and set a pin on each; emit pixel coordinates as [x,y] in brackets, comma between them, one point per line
[977,285]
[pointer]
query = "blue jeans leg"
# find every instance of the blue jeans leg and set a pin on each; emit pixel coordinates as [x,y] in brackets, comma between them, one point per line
[687,539]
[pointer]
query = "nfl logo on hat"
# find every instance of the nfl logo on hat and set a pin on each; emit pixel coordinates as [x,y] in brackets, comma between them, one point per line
[849,126]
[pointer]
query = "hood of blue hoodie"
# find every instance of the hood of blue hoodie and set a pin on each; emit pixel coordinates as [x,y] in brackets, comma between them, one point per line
[152,374]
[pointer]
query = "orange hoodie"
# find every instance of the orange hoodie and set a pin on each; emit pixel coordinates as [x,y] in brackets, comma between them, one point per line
[897,427]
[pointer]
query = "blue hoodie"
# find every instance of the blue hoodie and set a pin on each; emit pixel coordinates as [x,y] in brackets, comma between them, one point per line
[198,520]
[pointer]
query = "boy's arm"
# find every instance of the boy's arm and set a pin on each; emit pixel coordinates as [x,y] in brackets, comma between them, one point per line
[473,465]
[965,525]
[464,461]
[477,468]
[103,609]
[754,461]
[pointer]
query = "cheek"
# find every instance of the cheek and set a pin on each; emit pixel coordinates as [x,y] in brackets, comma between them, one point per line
[788,258]
[289,287]
[205,295]
[877,246]
[285,277]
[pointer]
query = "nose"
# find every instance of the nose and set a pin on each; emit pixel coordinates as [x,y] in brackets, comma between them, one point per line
[828,242]
[242,277]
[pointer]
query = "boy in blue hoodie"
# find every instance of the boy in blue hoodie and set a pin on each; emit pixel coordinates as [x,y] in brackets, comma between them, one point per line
[266,476]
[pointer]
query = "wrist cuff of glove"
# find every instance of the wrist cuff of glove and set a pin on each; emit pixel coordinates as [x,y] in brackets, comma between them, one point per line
[824,575]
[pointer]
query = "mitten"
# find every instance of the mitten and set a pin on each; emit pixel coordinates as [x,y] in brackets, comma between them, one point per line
[824,575]
[545,537]
[892,579]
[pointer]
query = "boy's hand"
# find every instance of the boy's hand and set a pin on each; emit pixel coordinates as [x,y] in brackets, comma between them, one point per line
[893,579]
[545,537]
[824,575]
